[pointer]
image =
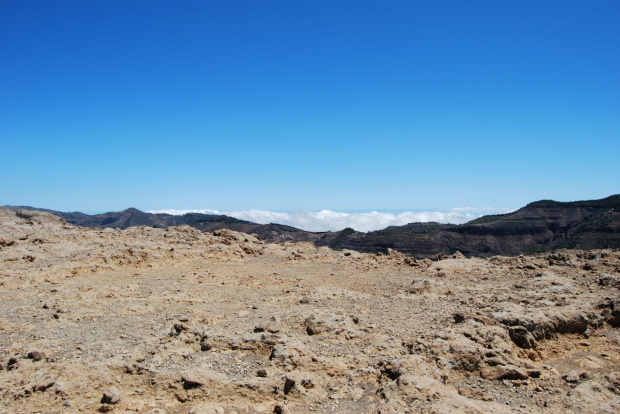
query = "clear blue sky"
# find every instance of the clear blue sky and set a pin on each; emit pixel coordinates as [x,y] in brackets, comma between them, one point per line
[308,104]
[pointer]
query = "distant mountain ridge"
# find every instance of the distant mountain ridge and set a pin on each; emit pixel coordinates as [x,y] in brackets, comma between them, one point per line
[203,222]
[538,227]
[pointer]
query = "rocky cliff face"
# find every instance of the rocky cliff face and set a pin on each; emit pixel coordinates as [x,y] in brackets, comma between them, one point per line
[538,227]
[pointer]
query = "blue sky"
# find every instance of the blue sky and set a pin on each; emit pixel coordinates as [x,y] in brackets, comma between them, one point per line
[309,105]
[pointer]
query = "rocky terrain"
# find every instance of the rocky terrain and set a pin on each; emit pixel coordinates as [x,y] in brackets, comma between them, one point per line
[539,227]
[175,320]
[204,222]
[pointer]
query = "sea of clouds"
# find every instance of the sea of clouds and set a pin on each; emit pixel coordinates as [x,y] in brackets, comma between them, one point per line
[328,220]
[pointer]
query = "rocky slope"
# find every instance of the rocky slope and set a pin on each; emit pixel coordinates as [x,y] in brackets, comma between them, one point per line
[538,227]
[147,320]
[204,222]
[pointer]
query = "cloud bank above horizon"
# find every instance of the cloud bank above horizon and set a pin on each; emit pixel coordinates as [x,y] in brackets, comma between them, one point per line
[328,220]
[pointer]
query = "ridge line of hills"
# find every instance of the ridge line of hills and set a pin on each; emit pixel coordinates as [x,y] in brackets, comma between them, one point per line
[538,227]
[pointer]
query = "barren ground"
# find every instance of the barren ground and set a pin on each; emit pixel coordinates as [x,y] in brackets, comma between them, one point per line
[176,321]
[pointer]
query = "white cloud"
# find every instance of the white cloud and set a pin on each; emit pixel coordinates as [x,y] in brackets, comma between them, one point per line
[325,220]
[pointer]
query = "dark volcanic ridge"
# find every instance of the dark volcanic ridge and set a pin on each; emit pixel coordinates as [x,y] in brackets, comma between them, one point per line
[539,227]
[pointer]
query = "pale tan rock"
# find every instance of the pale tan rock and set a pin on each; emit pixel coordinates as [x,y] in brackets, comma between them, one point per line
[111,395]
